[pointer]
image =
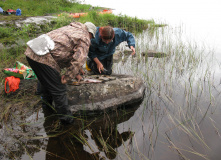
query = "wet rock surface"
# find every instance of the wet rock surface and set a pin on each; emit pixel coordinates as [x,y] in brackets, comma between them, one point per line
[113,91]
[29,20]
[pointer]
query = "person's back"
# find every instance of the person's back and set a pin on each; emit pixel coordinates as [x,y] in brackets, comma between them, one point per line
[102,48]
[69,50]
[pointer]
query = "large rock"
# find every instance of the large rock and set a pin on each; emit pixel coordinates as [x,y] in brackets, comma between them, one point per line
[38,20]
[114,91]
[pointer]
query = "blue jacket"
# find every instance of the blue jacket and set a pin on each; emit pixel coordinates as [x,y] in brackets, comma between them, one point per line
[102,50]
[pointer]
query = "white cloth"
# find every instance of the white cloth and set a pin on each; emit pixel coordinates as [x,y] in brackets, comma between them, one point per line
[1,10]
[41,45]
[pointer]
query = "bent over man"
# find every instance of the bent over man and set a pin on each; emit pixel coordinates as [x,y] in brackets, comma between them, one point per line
[103,46]
[71,45]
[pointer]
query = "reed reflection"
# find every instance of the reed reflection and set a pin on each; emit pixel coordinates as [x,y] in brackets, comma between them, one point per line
[94,137]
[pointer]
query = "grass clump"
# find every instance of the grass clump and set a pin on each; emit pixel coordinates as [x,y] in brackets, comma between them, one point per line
[121,21]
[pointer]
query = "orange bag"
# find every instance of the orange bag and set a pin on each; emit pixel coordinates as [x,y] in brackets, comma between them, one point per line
[13,84]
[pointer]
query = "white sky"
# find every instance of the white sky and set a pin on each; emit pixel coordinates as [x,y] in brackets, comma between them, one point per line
[162,8]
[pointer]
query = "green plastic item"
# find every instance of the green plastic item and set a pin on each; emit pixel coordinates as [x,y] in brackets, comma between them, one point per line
[20,71]
[29,74]
[13,72]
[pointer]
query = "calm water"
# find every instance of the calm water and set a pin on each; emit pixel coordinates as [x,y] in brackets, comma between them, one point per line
[180,115]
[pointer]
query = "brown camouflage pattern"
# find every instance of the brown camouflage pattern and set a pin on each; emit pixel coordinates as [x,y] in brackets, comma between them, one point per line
[71,48]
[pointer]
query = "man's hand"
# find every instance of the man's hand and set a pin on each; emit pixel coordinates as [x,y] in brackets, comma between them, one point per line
[63,80]
[79,78]
[100,66]
[133,50]
[82,71]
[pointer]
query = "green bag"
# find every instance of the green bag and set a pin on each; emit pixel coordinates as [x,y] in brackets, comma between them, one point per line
[20,71]
[29,74]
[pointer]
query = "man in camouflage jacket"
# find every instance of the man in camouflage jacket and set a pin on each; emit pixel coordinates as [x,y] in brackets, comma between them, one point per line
[70,51]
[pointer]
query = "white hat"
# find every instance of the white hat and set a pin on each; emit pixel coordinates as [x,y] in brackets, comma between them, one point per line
[91,28]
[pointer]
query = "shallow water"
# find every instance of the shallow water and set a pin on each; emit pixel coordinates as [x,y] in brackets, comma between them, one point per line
[179,119]
[182,110]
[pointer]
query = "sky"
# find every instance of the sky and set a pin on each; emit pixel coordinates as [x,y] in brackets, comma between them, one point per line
[163,8]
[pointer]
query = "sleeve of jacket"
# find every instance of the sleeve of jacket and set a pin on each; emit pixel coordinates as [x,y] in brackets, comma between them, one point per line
[125,36]
[78,59]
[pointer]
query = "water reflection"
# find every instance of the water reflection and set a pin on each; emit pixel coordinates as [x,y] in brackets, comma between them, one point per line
[16,138]
[89,137]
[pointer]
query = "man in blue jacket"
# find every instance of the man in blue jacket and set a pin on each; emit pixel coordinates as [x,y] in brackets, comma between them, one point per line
[103,46]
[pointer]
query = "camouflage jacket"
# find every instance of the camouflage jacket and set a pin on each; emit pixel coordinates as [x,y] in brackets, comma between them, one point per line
[71,48]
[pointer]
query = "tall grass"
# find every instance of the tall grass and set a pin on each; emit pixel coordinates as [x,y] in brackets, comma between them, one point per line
[179,90]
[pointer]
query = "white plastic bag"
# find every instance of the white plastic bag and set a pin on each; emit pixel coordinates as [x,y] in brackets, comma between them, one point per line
[41,45]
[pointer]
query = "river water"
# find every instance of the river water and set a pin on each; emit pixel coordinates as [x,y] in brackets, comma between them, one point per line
[180,116]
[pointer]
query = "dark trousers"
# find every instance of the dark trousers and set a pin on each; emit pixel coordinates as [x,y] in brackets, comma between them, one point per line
[107,63]
[52,89]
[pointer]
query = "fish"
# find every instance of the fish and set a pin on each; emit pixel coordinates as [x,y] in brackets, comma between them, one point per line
[92,80]
[86,81]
